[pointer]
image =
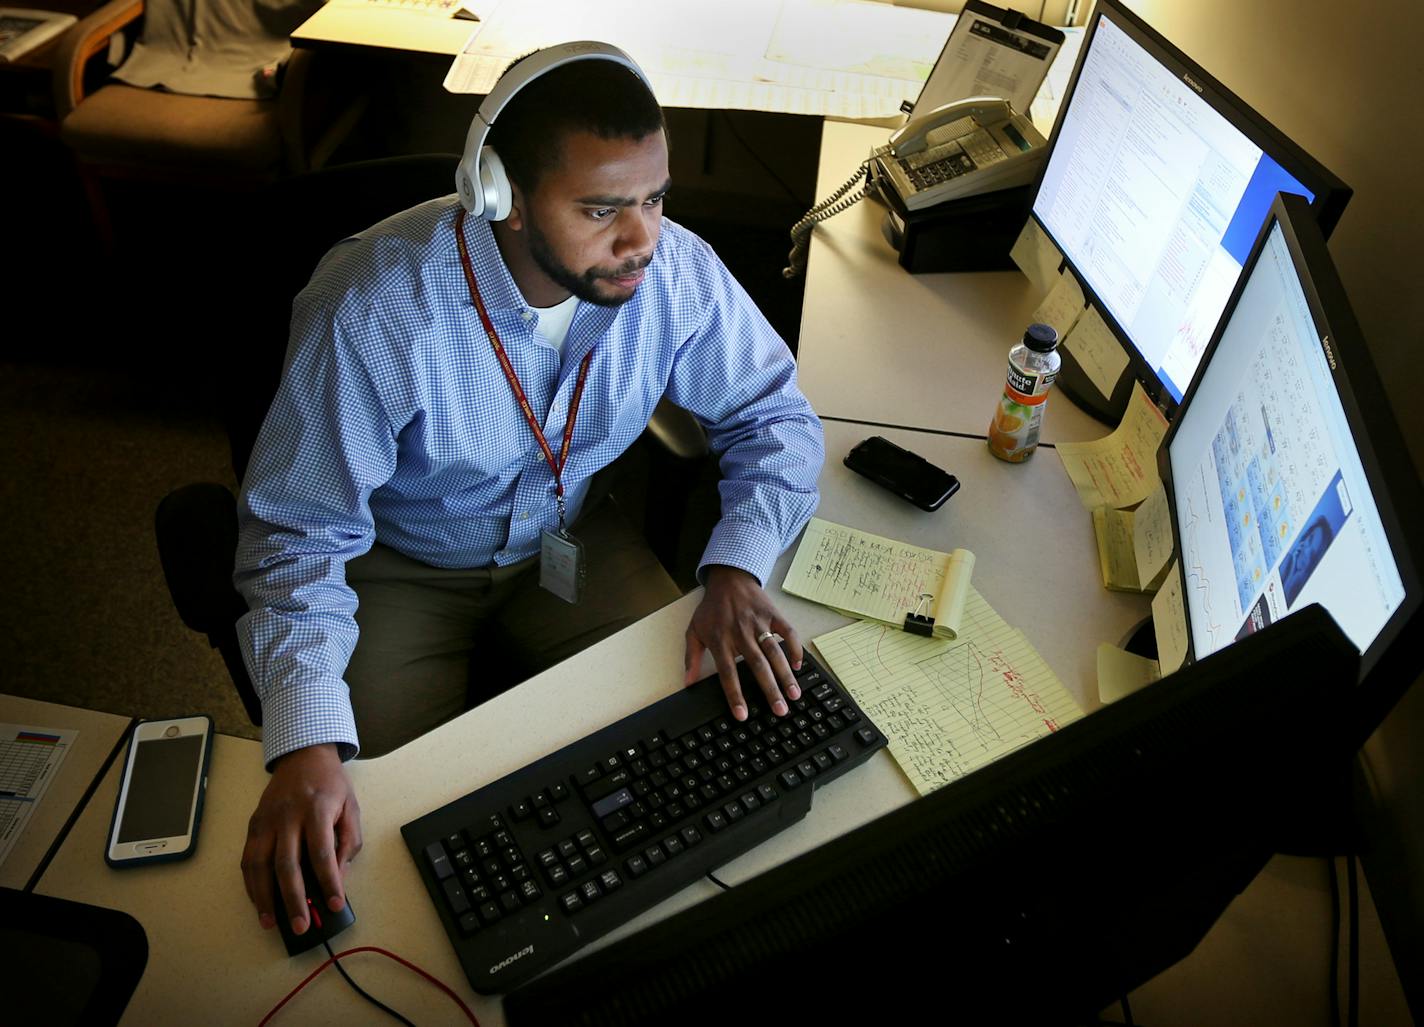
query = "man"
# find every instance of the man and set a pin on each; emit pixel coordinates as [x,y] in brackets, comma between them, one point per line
[397,466]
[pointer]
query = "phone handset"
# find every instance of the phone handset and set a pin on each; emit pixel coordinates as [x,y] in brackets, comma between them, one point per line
[964,148]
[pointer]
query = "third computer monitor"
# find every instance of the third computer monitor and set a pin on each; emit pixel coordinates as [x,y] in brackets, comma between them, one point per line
[1157,182]
[1283,469]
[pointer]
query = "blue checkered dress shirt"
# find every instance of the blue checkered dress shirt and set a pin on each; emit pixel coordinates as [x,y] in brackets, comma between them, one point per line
[394,422]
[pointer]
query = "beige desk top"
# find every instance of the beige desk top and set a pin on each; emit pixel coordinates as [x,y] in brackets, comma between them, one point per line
[881,345]
[1036,566]
[98,734]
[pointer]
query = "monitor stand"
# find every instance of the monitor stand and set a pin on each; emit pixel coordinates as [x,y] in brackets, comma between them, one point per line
[1083,393]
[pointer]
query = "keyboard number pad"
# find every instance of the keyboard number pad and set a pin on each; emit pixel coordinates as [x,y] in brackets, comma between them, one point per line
[483,874]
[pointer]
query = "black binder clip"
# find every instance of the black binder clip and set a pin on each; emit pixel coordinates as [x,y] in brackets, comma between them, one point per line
[917,623]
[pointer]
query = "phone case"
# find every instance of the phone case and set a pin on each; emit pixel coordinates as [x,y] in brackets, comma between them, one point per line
[862,462]
[165,857]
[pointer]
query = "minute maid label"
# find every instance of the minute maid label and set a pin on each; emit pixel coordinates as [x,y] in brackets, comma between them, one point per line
[1031,388]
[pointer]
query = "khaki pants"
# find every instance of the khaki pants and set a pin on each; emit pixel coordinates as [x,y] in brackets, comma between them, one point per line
[434,642]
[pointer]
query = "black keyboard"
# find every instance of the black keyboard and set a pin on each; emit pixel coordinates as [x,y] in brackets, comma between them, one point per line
[528,869]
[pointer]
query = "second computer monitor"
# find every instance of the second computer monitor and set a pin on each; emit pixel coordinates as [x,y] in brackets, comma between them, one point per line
[1156,185]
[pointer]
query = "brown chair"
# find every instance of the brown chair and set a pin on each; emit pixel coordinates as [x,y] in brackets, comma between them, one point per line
[119,131]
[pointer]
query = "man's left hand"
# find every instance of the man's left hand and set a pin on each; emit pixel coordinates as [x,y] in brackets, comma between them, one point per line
[736,617]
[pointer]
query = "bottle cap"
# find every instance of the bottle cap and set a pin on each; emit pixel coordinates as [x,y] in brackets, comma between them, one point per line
[1041,337]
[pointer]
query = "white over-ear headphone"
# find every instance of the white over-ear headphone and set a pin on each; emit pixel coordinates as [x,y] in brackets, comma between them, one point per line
[480,178]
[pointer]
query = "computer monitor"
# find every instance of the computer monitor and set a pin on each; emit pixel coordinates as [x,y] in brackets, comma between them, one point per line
[1284,471]
[1157,181]
[1038,889]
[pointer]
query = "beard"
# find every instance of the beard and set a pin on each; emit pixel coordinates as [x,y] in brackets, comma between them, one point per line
[587,285]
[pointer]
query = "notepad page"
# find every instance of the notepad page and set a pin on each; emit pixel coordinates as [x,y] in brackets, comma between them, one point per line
[865,575]
[950,707]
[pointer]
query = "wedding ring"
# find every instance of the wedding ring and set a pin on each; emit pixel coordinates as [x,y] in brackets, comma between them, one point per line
[763,637]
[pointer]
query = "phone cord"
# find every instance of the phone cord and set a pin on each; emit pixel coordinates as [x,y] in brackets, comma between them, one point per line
[827,208]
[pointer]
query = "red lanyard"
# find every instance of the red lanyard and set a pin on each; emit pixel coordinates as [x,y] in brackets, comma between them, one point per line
[556,467]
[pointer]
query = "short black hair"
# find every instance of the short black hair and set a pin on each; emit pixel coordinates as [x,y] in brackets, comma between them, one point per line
[602,97]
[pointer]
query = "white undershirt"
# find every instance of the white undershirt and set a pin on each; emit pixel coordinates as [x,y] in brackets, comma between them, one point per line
[554,321]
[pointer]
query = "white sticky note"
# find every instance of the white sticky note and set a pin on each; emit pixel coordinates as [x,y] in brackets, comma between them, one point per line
[1063,304]
[1036,256]
[1121,673]
[1169,621]
[1097,351]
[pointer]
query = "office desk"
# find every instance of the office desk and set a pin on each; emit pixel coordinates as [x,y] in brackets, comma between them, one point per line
[883,346]
[99,735]
[377,27]
[206,950]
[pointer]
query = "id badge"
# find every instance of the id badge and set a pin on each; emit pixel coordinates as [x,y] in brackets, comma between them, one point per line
[561,565]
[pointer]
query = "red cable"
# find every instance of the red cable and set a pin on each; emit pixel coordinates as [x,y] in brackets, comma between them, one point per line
[370,948]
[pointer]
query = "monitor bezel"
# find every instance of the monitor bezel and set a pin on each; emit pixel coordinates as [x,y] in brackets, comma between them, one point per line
[1331,194]
[1396,486]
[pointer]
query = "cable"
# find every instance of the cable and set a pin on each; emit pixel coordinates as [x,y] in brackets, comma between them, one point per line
[326,943]
[1352,999]
[827,208]
[1127,1012]
[711,877]
[391,955]
[1334,943]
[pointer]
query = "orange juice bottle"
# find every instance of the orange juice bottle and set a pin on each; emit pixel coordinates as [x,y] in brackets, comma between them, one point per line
[1033,367]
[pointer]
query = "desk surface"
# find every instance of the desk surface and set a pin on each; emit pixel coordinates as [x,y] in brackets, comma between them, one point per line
[883,346]
[206,950]
[98,735]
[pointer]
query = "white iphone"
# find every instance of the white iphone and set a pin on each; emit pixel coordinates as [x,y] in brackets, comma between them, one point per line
[161,792]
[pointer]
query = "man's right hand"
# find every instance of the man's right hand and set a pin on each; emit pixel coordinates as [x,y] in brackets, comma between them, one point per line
[309,802]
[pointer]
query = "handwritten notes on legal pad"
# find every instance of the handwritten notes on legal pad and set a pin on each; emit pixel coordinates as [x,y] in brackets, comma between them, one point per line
[950,707]
[865,575]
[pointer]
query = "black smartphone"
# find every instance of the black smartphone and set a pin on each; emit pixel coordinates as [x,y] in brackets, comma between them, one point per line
[906,474]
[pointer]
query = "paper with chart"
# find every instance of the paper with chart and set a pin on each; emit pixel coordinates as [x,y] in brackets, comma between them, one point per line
[859,60]
[30,758]
[950,707]
[865,575]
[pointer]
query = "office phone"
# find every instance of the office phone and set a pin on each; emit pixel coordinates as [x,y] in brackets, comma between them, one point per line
[959,149]
[972,146]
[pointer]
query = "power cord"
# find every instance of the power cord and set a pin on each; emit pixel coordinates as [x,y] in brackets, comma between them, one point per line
[1352,969]
[335,959]
[360,990]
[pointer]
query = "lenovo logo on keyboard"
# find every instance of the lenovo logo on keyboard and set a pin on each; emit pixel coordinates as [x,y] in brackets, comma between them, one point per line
[527,950]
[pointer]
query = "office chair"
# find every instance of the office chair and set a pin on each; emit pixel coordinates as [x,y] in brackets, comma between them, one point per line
[120,132]
[288,228]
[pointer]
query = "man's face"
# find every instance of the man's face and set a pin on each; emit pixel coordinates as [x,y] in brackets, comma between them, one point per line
[593,221]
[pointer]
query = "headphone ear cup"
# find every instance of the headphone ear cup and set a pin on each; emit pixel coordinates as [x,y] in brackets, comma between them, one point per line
[494,182]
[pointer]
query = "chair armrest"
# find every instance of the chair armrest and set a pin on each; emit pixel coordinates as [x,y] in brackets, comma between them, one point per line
[677,431]
[83,40]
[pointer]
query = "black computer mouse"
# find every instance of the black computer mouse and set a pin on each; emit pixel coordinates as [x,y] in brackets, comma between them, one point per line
[322,923]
